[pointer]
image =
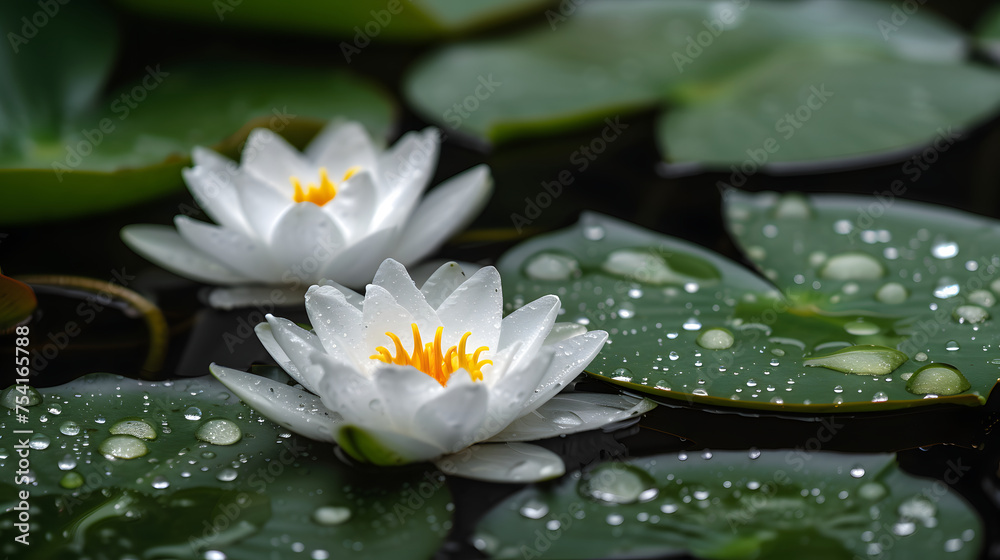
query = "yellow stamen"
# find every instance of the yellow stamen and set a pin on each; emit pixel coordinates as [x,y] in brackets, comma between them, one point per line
[429,358]
[322,193]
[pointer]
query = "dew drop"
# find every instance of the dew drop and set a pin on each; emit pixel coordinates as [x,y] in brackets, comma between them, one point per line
[952,346]
[614,519]
[622,374]
[552,266]
[68,462]
[920,357]
[867,359]
[944,249]
[861,328]
[123,447]
[970,314]
[227,475]
[852,266]
[715,338]
[880,397]
[892,293]
[946,288]
[160,482]
[55,409]
[69,428]
[534,509]
[29,397]
[330,516]
[133,427]
[39,441]
[71,480]
[937,379]
[857,471]
[614,483]
[192,413]
[219,431]
[984,298]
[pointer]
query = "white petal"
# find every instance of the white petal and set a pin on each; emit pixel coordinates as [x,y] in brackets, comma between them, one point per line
[213,183]
[393,277]
[266,337]
[354,205]
[511,392]
[529,325]
[337,323]
[255,296]
[385,447]
[165,247]
[352,297]
[340,146]
[272,158]
[503,462]
[572,413]
[381,315]
[403,390]
[356,265]
[297,344]
[444,211]
[405,170]
[562,331]
[452,419]
[263,205]
[234,249]
[571,356]
[294,409]
[347,391]
[305,240]
[442,283]
[476,306]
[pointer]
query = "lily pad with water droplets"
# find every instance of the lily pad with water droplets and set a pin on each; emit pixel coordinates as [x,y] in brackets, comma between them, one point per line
[731,338]
[262,494]
[735,505]
[739,80]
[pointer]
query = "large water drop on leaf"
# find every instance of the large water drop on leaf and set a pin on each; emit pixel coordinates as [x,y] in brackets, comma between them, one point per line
[716,339]
[551,265]
[852,266]
[616,483]
[133,427]
[9,396]
[970,314]
[937,379]
[123,447]
[219,431]
[865,359]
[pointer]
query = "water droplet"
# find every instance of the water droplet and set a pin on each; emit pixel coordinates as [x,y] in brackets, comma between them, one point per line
[852,266]
[857,471]
[918,508]
[614,519]
[892,293]
[673,355]
[838,389]
[716,338]
[953,545]
[984,298]
[68,462]
[880,397]
[123,447]
[39,441]
[193,413]
[944,249]
[754,453]
[550,265]
[133,427]
[692,324]
[904,528]
[616,483]
[970,314]
[861,328]
[662,385]
[920,357]
[69,428]
[71,480]
[793,206]
[227,475]
[843,227]
[160,482]
[593,232]
[219,431]
[946,288]
[867,359]
[952,346]
[872,491]
[331,515]
[534,509]
[55,409]
[622,374]
[937,379]
[9,396]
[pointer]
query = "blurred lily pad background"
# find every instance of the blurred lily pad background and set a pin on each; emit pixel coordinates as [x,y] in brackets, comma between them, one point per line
[650,112]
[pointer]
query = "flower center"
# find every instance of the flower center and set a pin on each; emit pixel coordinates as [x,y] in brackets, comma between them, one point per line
[323,192]
[429,358]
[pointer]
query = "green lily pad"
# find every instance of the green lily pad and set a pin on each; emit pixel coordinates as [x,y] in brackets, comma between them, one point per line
[78,148]
[661,340]
[263,493]
[731,72]
[363,21]
[732,505]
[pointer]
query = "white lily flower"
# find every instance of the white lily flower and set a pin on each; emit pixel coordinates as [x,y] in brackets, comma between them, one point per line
[295,218]
[470,382]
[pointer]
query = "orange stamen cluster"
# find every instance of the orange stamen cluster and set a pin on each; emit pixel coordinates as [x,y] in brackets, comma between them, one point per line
[322,193]
[429,358]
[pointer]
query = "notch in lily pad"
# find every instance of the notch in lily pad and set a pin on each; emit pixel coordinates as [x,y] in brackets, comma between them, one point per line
[863,359]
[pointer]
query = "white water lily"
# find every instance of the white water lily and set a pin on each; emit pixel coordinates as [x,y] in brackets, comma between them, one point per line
[295,218]
[470,382]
